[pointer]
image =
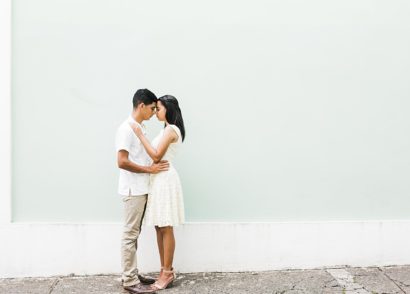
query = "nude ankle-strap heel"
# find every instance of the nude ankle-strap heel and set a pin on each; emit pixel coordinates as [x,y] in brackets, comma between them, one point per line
[167,283]
[174,277]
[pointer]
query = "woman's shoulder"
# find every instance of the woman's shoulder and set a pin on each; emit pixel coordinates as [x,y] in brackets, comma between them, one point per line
[173,128]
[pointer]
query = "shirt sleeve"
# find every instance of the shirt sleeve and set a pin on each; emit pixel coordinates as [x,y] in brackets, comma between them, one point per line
[123,140]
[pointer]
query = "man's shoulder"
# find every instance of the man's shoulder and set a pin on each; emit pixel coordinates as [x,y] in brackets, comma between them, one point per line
[124,127]
[124,132]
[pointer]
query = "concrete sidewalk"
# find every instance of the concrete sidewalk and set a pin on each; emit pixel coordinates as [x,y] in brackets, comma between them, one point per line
[393,279]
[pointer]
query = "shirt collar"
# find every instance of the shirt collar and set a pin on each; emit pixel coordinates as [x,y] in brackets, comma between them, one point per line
[131,119]
[142,125]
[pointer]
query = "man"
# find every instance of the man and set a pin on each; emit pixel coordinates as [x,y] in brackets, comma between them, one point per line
[135,166]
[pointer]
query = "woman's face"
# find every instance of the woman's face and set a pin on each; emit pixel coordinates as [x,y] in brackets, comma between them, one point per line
[161,111]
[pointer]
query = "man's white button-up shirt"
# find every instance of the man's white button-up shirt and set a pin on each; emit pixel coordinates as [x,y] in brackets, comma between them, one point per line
[130,183]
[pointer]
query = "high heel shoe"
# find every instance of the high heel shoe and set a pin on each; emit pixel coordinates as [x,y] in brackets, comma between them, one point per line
[164,283]
[161,284]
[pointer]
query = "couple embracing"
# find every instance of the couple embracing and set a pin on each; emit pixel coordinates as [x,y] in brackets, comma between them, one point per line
[150,186]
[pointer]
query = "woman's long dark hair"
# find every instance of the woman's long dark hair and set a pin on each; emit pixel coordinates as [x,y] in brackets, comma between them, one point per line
[173,114]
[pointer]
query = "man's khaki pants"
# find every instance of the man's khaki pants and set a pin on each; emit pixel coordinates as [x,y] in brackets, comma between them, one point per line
[134,209]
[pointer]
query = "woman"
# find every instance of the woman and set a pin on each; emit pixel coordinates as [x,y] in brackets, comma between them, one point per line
[165,207]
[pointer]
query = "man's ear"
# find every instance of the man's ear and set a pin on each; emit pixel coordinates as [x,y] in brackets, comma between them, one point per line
[141,105]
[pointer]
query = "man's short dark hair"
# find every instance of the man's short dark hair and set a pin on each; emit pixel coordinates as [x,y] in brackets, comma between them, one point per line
[143,96]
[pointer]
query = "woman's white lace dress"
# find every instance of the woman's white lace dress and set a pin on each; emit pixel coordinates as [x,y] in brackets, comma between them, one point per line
[165,205]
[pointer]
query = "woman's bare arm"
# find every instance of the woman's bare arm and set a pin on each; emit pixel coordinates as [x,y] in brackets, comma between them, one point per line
[156,154]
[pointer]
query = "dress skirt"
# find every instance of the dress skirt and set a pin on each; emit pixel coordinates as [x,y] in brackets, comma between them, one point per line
[165,205]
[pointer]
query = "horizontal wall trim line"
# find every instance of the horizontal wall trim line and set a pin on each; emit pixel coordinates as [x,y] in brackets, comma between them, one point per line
[224,222]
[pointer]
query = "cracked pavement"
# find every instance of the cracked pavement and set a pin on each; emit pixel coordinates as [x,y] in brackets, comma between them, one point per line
[392,279]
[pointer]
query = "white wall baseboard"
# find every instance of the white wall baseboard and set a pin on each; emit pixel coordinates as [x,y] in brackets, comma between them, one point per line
[60,249]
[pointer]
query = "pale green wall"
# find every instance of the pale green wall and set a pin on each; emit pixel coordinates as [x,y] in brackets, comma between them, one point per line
[295,110]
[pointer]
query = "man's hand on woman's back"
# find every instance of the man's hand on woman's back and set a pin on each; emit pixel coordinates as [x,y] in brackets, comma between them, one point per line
[155,168]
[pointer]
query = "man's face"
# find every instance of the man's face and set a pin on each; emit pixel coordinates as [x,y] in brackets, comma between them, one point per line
[149,110]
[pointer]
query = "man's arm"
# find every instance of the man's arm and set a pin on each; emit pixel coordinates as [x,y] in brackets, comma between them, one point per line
[124,163]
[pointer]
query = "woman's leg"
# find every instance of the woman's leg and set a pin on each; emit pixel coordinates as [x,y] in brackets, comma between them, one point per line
[169,246]
[167,275]
[160,243]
